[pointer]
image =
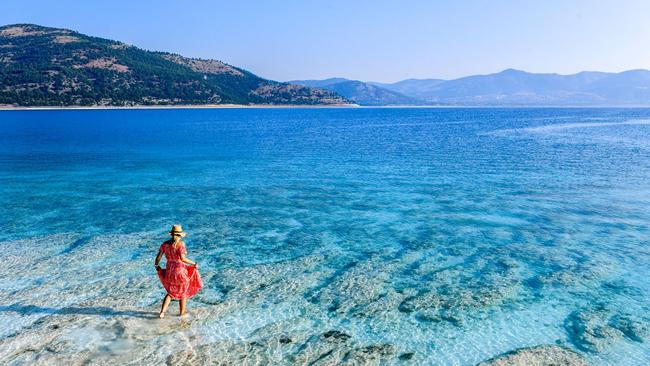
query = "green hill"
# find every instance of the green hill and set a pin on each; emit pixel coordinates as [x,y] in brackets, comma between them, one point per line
[42,66]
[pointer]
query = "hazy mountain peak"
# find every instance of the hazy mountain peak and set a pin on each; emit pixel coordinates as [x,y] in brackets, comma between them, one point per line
[513,72]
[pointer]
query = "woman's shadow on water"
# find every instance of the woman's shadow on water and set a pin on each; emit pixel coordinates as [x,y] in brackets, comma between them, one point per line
[97,310]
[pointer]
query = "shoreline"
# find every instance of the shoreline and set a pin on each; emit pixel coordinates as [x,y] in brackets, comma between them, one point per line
[289,106]
[177,106]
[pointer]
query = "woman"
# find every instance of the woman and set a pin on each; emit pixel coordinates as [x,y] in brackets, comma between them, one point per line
[180,281]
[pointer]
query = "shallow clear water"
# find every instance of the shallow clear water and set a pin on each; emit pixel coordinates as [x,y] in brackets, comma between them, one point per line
[326,236]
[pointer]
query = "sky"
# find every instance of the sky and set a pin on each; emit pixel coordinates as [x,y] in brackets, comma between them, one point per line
[377,40]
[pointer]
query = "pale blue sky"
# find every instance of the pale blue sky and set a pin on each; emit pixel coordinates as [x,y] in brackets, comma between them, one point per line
[368,40]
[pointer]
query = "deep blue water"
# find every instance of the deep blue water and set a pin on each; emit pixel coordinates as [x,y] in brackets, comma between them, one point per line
[452,234]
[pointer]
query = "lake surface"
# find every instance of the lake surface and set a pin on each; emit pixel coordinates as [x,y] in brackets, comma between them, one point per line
[326,236]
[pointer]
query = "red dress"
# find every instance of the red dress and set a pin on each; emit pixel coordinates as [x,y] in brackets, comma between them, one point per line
[180,280]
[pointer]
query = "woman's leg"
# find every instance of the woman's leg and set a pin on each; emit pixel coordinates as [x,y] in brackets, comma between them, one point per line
[165,305]
[182,302]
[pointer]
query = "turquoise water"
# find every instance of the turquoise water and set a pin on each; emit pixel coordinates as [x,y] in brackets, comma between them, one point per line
[327,236]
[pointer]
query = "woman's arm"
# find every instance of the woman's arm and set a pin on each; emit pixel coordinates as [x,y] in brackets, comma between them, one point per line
[158,258]
[184,259]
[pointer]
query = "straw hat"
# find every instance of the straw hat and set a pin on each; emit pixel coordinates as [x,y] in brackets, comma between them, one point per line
[178,230]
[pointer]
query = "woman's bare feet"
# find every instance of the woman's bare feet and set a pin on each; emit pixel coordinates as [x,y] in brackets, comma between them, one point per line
[161,315]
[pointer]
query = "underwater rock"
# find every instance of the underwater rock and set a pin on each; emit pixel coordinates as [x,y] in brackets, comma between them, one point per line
[593,329]
[455,293]
[368,355]
[262,282]
[337,348]
[329,348]
[633,329]
[336,335]
[547,355]
[285,340]
[588,330]
[342,294]
[224,353]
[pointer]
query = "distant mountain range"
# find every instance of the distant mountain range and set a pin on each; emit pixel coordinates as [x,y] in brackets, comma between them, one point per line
[420,89]
[507,88]
[41,66]
[362,93]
